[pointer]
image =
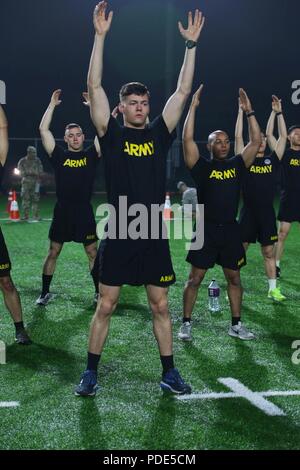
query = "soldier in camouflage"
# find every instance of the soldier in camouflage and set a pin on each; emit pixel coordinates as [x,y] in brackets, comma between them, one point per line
[31,169]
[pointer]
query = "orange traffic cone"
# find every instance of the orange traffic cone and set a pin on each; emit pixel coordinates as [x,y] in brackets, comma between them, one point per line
[168,214]
[10,195]
[14,209]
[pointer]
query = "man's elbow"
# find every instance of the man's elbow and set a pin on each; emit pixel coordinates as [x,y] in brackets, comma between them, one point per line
[256,139]
[184,91]
[92,86]
[187,139]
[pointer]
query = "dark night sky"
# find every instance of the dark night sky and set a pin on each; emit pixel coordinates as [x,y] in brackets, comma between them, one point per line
[46,45]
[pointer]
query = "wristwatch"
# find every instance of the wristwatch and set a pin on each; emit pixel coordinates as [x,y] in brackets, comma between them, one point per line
[190,44]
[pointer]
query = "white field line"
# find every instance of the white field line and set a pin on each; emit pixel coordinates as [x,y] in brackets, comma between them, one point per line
[9,404]
[240,391]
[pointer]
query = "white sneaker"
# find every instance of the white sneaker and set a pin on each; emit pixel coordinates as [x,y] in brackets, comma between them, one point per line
[44,300]
[185,332]
[241,332]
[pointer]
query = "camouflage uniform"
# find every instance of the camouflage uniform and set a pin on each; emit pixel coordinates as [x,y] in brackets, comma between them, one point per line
[31,169]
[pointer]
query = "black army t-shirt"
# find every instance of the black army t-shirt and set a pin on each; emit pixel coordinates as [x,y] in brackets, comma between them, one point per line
[135,162]
[218,187]
[74,174]
[259,181]
[290,174]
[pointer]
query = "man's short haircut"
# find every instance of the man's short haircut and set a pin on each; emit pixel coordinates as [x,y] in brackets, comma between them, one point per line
[71,126]
[30,148]
[180,183]
[292,128]
[212,135]
[133,88]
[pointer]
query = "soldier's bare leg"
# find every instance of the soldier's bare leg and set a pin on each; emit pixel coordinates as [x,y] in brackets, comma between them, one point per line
[91,251]
[50,262]
[13,304]
[48,271]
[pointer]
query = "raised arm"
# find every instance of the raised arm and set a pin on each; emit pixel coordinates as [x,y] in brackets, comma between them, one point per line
[280,144]
[46,135]
[176,103]
[87,103]
[239,141]
[3,137]
[250,151]
[100,111]
[190,148]
[270,131]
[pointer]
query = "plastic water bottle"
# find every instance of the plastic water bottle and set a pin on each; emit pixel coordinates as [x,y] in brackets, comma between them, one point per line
[167,201]
[213,296]
[2,353]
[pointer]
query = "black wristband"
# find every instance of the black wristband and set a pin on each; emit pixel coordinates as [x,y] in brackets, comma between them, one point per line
[279,114]
[250,114]
[190,44]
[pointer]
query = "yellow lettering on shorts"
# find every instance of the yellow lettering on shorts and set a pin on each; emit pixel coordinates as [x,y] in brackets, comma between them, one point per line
[167,278]
[4,266]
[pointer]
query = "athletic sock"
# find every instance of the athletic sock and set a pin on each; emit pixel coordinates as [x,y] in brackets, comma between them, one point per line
[278,263]
[46,284]
[93,361]
[19,326]
[272,284]
[167,363]
[186,320]
[235,320]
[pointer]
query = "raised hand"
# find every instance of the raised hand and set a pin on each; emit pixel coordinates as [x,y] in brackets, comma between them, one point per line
[115,111]
[244,101]
[194,28]
[276,104]
[86,97]
[196,96]
[55,101]
[101,23]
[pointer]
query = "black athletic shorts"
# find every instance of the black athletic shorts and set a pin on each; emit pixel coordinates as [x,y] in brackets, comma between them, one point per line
[134,262]
[74,222]
[289,209]
[222,245]
[258,225]
[5,264]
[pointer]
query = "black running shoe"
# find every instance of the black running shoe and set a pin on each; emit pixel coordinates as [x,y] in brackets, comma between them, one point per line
[23,338]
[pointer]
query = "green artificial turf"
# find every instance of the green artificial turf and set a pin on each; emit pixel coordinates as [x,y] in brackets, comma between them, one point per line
[130,411]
